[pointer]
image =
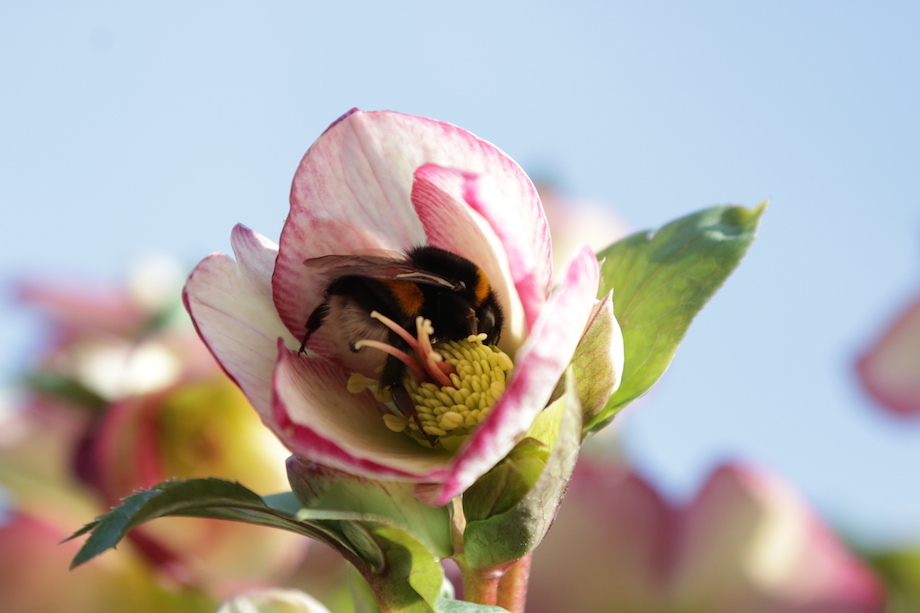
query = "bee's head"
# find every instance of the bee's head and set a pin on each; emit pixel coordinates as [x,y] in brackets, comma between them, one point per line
[485,314]
[490,319]
[471,306]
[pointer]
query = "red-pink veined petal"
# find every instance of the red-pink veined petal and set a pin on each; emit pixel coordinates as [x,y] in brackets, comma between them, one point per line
[230,303]
[352,192]
[890,369]
[319,419]
[539,363]
[532,275]
[451,224]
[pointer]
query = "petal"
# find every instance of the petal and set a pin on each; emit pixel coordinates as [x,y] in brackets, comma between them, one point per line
[539,363]
[598,361]
[749,540]
[352,192]
[620,530]
[451,224]
[890,369]
[532,275]
[231,306]
[319,419]
[103,310]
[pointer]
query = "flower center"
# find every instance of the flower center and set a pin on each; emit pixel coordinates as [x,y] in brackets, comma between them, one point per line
[452,386]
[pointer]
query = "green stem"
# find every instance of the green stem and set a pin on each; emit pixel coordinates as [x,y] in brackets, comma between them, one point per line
[478,588]
[512,588]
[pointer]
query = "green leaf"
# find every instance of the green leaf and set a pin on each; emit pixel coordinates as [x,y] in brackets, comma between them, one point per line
[504,525]
[661,280]
[403,573]
[411,581]
[213,498]
[507,483]
[899,569]
[322,487]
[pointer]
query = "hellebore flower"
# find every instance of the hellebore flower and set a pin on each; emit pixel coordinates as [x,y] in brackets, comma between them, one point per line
[33,576]
[890,368]
[123,397]
[387,182]
[745,543]
[577,221]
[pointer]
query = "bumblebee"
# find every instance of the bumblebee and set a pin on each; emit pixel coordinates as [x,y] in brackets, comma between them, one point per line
[438,285]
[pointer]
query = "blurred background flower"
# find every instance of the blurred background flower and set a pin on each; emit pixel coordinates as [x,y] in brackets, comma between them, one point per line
[746,542]
[125,396]
[890,368]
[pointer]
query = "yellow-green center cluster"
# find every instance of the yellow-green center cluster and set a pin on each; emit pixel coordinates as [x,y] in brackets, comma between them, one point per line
[449,413]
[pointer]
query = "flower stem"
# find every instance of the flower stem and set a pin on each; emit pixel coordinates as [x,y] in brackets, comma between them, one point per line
[480,589]
[512,588]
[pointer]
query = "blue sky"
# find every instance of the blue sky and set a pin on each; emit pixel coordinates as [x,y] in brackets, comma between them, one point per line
[130,128]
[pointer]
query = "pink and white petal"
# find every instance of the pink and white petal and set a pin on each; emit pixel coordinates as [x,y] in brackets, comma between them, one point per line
[317,418]
[451,224]
[532,275]
[352,192]
[232,309]
[539,363]
[890,369]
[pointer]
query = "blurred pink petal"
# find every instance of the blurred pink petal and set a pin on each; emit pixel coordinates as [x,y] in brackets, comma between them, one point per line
[34,576]
[78,307]
[746,543]
[890,368]
[578,221]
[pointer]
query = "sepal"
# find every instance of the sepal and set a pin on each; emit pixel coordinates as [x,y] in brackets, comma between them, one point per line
[509,510]
[321,487]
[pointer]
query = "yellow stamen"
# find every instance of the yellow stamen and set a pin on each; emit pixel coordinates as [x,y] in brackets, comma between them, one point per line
[478,381]
[452,387]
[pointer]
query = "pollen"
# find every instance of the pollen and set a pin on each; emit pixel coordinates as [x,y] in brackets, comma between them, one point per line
[451,412]
[452,386]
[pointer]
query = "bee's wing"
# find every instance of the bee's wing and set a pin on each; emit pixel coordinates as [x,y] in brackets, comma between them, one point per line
[376,266]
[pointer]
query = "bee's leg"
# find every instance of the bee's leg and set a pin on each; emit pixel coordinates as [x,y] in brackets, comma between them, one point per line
[393,372]
[314,322]
[403,402]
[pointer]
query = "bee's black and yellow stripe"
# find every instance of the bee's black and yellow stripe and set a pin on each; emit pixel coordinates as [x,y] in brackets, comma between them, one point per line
[407,295]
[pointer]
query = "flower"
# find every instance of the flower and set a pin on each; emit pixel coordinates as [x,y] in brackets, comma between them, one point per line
[34,577]
[745,543]
[890,368]
[384,181]
[576,221]
[126,396]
